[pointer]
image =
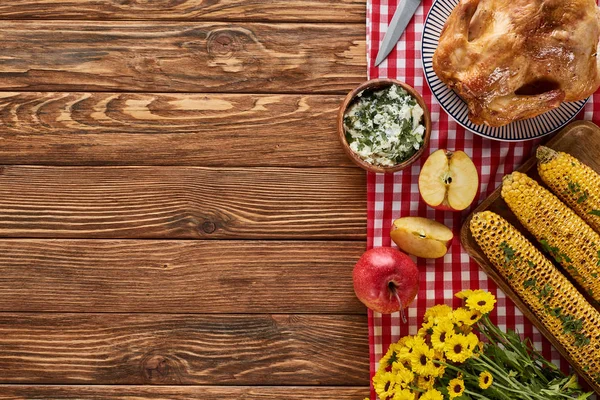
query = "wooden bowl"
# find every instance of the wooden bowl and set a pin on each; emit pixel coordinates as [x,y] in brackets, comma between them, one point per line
[376,84]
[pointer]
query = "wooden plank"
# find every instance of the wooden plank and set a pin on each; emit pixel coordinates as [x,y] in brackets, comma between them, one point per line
[181,57]
[22,392]
[169,129]
[178,276]
[198,10]
[182,202]
[135,349]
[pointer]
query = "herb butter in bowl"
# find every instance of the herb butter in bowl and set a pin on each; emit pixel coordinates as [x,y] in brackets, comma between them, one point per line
[384,125]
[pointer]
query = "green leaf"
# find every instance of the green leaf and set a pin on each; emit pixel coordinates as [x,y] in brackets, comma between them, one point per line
[595,212]
[509,252]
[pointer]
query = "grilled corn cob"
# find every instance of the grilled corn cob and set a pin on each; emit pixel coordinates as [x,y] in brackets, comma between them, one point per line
[565,236]
[574,182]
[548,293]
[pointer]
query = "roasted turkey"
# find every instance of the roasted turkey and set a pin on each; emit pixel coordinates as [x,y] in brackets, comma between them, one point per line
[516,59]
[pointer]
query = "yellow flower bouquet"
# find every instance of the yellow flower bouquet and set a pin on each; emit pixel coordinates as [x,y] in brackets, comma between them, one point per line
[447,360]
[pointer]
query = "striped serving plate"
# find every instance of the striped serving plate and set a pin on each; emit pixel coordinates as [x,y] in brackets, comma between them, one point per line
[451,103]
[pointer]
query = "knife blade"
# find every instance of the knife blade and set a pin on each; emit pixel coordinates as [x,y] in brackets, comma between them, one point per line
[402,16]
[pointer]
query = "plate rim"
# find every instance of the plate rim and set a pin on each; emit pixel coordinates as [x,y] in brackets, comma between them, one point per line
[482,134]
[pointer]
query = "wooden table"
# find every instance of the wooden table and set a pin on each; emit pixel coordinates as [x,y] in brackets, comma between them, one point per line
[177,218]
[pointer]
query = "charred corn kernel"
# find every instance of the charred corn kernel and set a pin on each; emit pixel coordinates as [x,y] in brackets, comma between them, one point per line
[543,288]
[574,182]
[565,236]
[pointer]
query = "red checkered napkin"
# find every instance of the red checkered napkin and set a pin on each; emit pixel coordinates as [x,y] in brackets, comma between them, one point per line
[393,196]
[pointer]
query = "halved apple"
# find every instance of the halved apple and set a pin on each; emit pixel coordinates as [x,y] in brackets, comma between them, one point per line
[448,180]
[421,237]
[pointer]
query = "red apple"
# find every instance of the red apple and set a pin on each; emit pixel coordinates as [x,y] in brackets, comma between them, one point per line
[385,280]
[421,237]
[448,180]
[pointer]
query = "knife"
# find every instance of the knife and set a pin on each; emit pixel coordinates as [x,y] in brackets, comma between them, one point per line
[404,13]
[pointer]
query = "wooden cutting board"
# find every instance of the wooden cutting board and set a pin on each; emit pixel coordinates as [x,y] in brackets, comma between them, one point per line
[580,139]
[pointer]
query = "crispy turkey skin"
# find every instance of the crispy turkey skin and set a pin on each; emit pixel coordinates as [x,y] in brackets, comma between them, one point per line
[512,60]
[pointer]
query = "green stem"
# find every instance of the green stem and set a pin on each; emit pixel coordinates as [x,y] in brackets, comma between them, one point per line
[521,391]
[493,367]
[452,367]
[530,355]
[479,396]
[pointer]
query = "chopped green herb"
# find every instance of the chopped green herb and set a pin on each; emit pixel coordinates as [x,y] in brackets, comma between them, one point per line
[573,187]
[583,197]
[555,252]
[531,282]
[570,324]
[595,212]
[555,312]
[384,127]
[509,252]
[581,340]
[546,291]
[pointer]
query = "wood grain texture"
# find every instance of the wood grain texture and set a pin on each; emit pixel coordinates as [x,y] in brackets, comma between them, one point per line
[178,276]
[184,349]
[181,57]
[198,10]
[23,392]
[182,202]
[169,129]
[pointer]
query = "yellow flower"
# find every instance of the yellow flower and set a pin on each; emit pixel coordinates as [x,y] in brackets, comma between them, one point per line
[423,332]
[404,394]
[433,314]
[456,387]
[390,357]
[425,382]
[439,368]
[421,360]
[384,384]
[427,324]
[404,376]
[462,316]
[478,350]
[457,348]
[472,341]
[481,301]
[466,317]
[405,350]
[475,316]
[413,341]
[432,394]
[464,294]
[441,332]
[485,380]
